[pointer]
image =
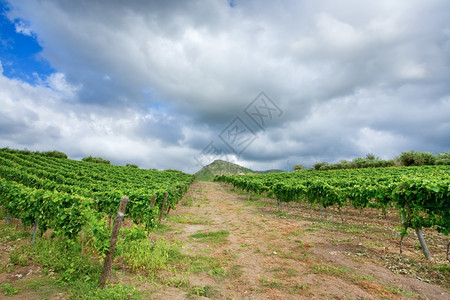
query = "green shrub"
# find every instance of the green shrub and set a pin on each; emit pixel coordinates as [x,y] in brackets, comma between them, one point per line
[54,153]
[443,158]
[299,168]
[320,165]
[413,158]
[97,160]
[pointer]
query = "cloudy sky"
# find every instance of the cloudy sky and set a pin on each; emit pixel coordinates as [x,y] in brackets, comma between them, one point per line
[266,84]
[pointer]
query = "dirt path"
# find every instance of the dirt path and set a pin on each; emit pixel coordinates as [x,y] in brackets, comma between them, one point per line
[266,255]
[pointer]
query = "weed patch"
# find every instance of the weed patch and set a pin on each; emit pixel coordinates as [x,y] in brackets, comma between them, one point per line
[211,237]
[203,291]
[8,290]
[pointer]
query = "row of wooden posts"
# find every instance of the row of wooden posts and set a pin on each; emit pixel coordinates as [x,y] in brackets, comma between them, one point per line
[107,266]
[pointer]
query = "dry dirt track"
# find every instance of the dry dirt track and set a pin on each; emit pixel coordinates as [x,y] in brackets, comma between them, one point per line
[266,256]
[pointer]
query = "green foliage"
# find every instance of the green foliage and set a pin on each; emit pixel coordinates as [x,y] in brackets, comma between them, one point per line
[146,255]
[330,270]
[9,233]
[97,160]
[173,170]
[203,291]
[413,158]
[371,156]
[299,168]
[90,291]
[96,233]
[66,195]
[132,166]
[24,152]
[320,166]
[212,237]
[56,154]
[443,158]
[8,290]
[61,256]
[370,161]
[420,193]
[19,258]
[134,233]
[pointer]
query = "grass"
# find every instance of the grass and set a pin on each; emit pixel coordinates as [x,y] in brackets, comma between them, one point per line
[235,272]
[401,292]
[291,272]
[161,229]
[337,242]
[205,264]
[189,219]
[330,270]
[203,291]
[282,214]
[271,284]
[188,201]
[83,290]
[211,237]
[299,288]
[296,233]
[9,233]
[8,290]
[175,280]
[366,282]
[44,287]
[68,272]
[258,203]
[284,273]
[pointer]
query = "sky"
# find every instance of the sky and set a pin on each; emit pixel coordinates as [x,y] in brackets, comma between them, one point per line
[265,84]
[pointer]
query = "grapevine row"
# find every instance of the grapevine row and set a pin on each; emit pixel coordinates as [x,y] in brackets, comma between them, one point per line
[64,195]
[421,194]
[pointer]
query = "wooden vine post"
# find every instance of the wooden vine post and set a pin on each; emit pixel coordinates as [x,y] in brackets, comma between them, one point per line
[33,240]
[163,206]
[153,201]
[419,234]
[106,273]
[423,244]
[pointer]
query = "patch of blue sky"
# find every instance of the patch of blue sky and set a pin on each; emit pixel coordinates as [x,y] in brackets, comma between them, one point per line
[154,101]
[20,52]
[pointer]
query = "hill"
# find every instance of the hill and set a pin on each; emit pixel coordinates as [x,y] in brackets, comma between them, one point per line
[220,167]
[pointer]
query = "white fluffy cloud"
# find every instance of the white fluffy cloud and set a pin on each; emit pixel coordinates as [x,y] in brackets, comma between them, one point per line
[154,82]
[44,118]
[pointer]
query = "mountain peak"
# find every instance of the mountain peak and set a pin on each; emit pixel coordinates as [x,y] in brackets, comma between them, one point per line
[220,167]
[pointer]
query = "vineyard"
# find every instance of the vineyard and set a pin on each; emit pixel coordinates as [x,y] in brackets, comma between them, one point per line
[223,239]
[420,194]
[62,194]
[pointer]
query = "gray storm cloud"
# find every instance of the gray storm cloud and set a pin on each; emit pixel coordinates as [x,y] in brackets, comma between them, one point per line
[153,82]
